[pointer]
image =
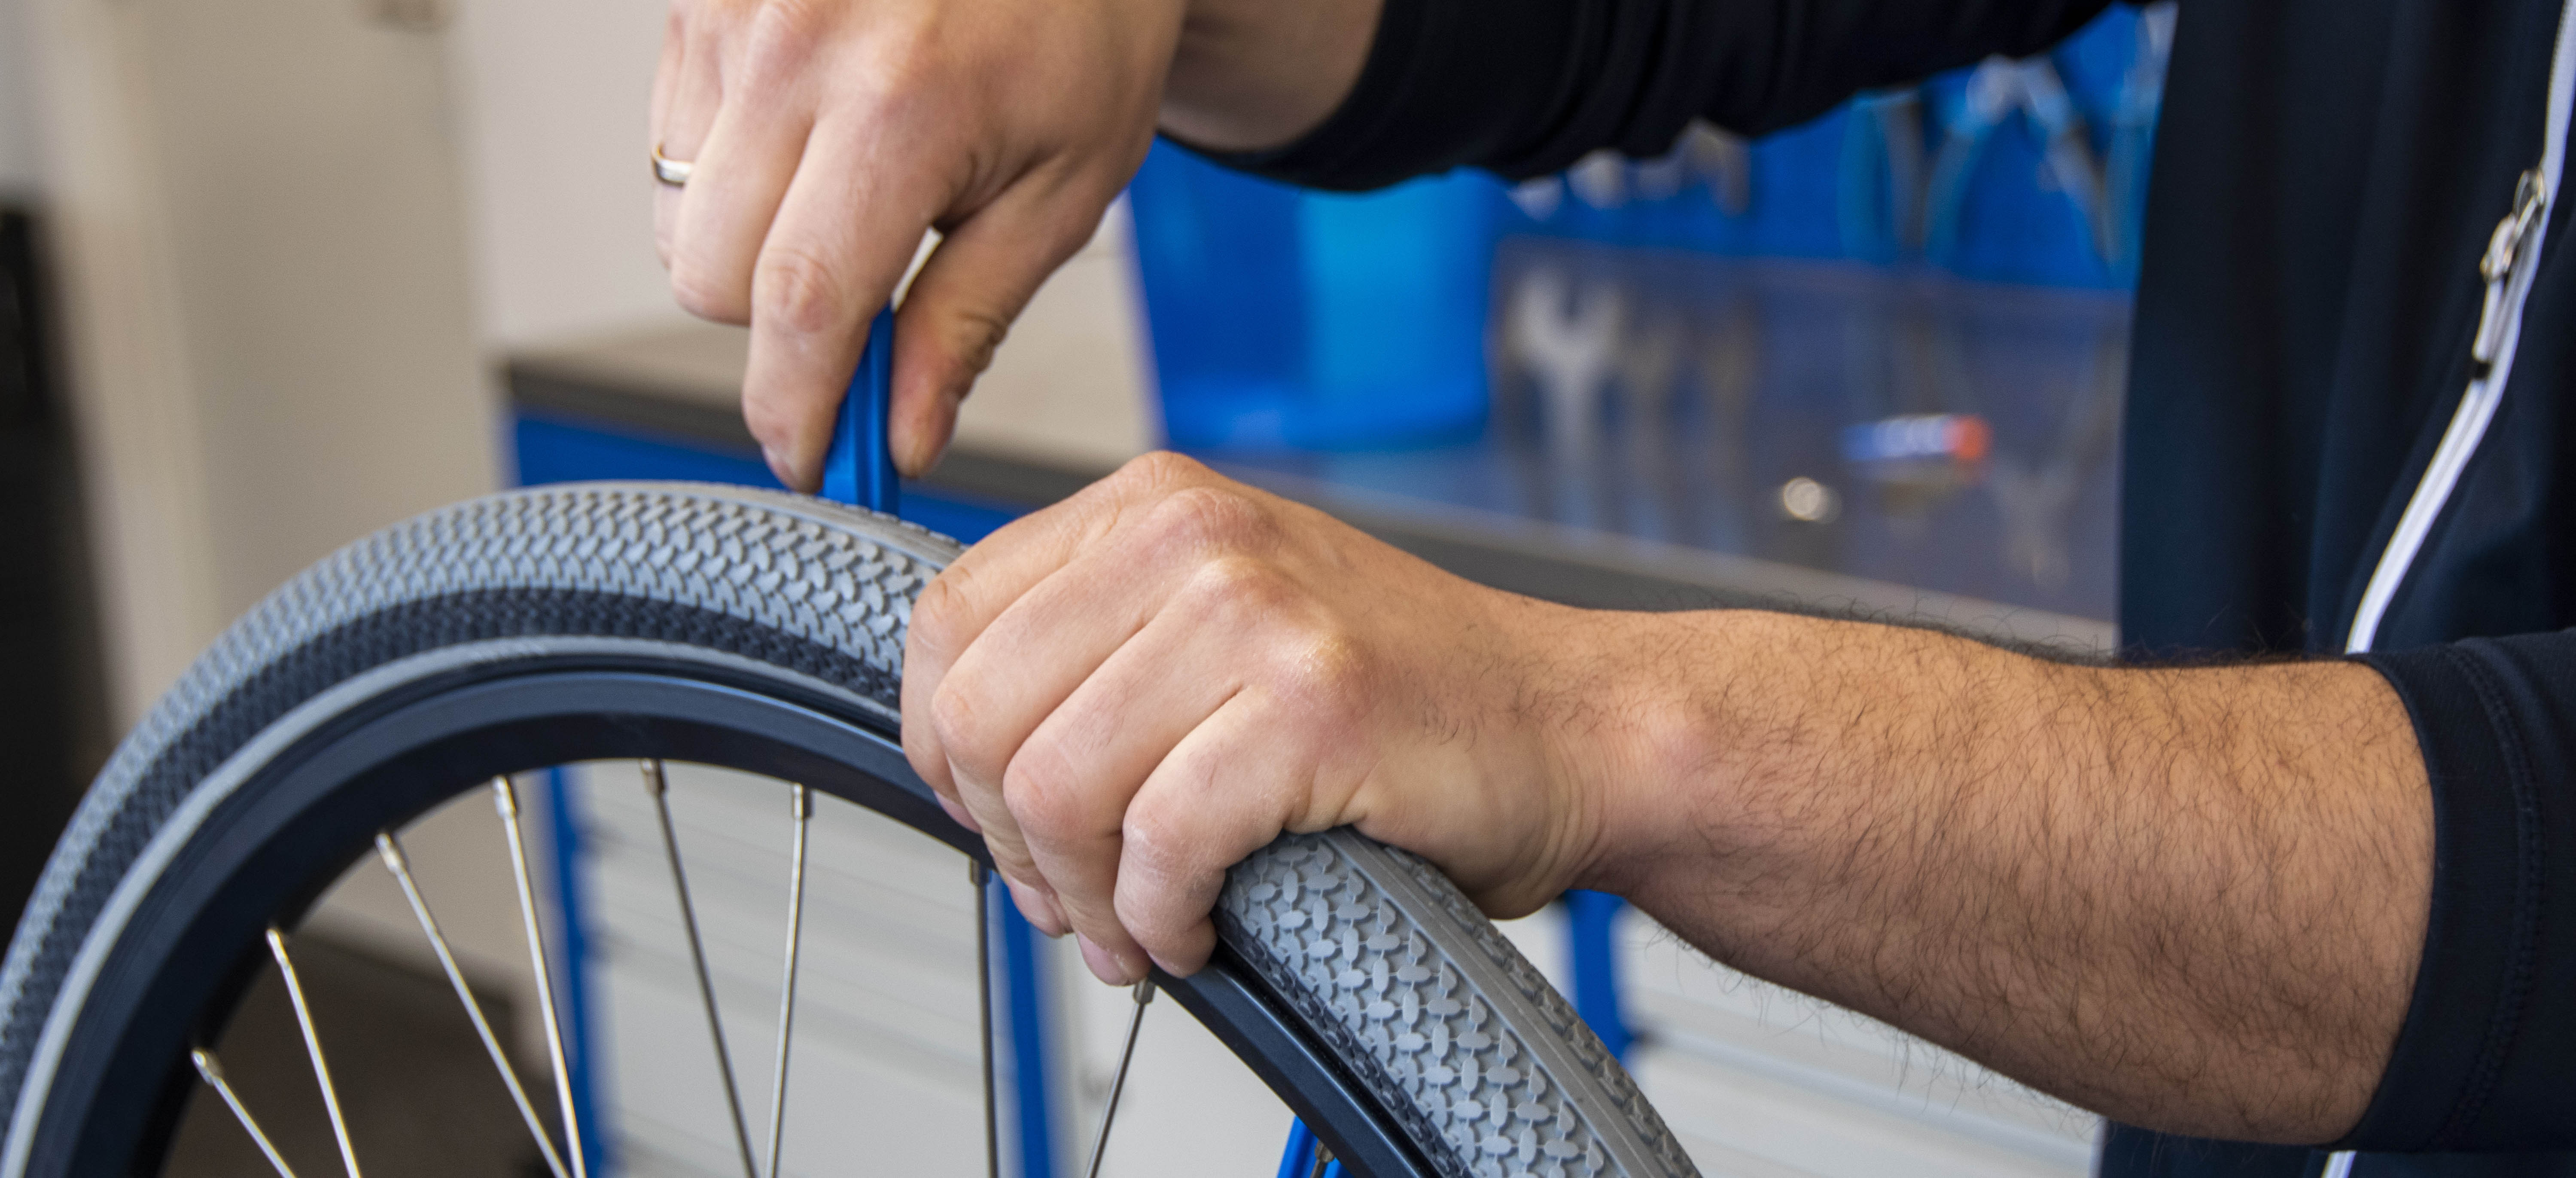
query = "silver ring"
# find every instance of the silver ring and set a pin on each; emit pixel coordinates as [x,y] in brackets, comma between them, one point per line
[670,171]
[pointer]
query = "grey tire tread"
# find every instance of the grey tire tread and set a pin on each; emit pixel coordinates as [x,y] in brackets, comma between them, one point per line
[1485,1066]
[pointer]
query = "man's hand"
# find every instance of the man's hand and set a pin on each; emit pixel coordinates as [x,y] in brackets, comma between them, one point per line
[1131,691]
[828,136]
[2192,900]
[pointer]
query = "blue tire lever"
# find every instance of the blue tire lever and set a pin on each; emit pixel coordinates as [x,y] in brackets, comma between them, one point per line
[859,469]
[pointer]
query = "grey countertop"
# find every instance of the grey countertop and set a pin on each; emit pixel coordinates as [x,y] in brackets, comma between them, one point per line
[1722,456]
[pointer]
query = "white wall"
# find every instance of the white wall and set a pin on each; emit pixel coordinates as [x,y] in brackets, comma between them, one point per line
[18,151]
[289,237]
[553,99]
[260,226]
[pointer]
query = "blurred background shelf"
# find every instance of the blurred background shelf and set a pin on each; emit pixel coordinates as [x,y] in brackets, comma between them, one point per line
[1684,509]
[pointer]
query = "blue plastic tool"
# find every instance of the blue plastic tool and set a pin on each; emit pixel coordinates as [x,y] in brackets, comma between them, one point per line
[1304,1150]
[860,468]
[1591,920]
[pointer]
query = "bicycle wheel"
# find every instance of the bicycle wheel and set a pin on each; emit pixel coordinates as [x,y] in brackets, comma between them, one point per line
[737,628]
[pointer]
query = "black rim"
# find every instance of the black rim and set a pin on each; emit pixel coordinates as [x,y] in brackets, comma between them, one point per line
[268,851]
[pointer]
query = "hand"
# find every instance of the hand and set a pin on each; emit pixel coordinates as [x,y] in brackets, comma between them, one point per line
[1129,692]
[829,136]
[2191,900]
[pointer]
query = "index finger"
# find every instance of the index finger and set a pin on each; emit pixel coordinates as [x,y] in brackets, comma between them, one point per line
[849,224]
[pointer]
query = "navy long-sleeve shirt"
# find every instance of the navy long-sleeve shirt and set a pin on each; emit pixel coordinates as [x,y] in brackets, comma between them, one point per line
[2327,176]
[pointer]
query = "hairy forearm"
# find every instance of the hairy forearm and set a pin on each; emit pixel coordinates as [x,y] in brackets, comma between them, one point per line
[1253,74]
[2188,899]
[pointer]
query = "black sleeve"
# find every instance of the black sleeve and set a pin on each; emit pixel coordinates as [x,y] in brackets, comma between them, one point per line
[2490,1039]
[1526,87]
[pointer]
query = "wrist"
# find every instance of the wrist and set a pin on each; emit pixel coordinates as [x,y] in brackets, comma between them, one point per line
[1734,747]
[1642,738]
[1249,75]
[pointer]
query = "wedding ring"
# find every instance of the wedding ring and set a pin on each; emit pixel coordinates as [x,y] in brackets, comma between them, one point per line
[670,171]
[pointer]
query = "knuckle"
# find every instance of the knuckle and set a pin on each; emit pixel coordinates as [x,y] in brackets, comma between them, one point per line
[974,335]
[793,289]
[1205,518]
[1161,468]
[1010,848]
[1324,673]
[1157,849]
[907,56]
[702,292]
[1045,797]
[957,719]
[1012,858]
[783,34]
[1166,885]
[1243,589]
[721,23]
[939,615]
[927,760]
[684,16]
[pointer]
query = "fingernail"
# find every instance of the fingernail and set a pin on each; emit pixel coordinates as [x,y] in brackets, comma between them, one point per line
[959,813]
[1106,965]
[778,470]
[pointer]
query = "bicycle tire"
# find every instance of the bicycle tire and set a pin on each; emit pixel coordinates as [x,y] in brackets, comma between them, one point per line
[752,629]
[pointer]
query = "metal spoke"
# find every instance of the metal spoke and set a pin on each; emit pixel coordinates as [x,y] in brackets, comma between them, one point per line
[801,807]
[984,1011]
[313,1048]
[213,1074]
[658,786]
[1118,1083]
[505,798]
[389,849]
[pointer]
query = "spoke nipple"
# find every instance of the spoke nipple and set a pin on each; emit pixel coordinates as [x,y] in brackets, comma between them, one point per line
[1145,991]
[277,943]
[390,850]
[207,1069]
[800,805]
[654,782]
[504,798]
[975,872]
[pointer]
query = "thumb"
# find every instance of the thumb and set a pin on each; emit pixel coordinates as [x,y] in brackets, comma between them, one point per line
[961,304]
